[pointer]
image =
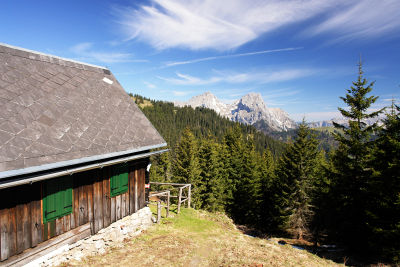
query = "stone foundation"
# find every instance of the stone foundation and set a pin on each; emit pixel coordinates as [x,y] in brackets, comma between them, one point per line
[112,236]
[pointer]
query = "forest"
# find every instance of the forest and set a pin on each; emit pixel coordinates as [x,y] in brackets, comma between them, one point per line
[347,193]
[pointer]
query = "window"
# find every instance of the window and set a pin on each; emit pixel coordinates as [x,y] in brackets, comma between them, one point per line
[57,198]
[119,180]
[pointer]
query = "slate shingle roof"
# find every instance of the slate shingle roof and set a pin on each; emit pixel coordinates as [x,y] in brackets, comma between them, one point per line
[54,110]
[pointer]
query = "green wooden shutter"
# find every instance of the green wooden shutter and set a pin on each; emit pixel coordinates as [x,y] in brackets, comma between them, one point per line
[67,195]
[57,198]
[119,180]
[50,210]
[114,183]
[124,179]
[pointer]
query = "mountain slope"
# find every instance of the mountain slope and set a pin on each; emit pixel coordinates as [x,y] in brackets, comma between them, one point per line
[248,110]
[206,100]
[171,120]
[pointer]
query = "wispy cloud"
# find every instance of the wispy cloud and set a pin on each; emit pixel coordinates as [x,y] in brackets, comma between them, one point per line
[180,93]
[184,79]
[360,19]
[241,77]
[276,94]
[227,24]
[150,85]
[176,63]
[86,52]
[220,25]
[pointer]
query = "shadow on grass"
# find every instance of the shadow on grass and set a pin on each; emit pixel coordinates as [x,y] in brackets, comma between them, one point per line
[329,252]
[173,210]
[337,254]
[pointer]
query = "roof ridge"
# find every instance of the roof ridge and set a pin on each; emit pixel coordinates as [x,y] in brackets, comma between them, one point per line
[50,58]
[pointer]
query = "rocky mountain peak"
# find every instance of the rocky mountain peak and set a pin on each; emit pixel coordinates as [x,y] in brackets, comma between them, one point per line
[249,109]
[253,101]
[207,100]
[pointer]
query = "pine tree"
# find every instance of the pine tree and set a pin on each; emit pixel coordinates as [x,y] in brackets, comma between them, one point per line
[160,170]
[383,210]
[243,179]
[248,196]
[185,166]
[322,197]
[352,162]
[233,162]
[297,171]
[267,206]
[212,175]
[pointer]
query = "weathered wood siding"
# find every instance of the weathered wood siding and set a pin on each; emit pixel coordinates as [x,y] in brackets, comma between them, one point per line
[21,220]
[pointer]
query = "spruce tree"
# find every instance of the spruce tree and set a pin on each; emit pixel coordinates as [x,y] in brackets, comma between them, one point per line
[233,162]
[322,197]
[383,210]
[248,196]
[160,170]
[267,206]
[243,179]
[212,175]
[185,167]
[297,171]
[352,163]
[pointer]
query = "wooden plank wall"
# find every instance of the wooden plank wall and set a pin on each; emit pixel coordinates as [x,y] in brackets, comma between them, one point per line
[21,224]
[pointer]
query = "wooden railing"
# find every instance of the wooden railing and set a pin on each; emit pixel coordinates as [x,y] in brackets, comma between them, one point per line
[184,195]
[159,205]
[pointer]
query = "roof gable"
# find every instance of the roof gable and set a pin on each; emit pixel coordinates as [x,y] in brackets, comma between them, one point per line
[54,110]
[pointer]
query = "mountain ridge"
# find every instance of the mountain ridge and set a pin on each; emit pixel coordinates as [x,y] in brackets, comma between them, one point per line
[249,109]
[343,121]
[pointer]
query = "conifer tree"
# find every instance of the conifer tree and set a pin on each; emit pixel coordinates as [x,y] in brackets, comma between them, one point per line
[233,162]
[268,203]
[160,170]
[212,175]
[352,162]
[297,171]
[248,195]
[383,210]
[243,179]
[322,197]
[185,166]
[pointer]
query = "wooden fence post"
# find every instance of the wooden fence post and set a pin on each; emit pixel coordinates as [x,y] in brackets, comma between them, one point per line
[189,195]
[168,195]
[179,199]
[158,211]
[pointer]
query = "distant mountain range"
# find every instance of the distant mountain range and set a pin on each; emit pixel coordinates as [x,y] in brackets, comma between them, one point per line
[250,109]
[342,121]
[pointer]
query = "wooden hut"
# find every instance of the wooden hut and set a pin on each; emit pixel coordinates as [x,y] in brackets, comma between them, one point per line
[73,152]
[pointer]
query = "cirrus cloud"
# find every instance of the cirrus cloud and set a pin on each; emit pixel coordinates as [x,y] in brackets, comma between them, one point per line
[220,25]
[241,77]
[361,19]
[227,24]
[86,52]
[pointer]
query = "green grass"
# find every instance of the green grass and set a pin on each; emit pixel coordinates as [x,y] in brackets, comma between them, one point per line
[187,221]
[199,238]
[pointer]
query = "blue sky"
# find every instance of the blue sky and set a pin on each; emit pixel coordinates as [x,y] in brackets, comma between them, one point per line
[299,55]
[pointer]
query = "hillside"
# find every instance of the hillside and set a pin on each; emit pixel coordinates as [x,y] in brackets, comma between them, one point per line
[199,238]
[171,120]
[248,110]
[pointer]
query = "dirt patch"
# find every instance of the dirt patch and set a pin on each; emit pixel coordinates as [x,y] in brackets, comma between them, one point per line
[201,239]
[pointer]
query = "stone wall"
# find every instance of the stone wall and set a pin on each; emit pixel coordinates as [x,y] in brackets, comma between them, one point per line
[112,236]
